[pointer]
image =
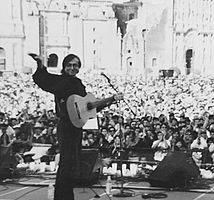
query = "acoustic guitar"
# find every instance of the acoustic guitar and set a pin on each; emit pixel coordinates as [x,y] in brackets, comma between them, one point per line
[81,109]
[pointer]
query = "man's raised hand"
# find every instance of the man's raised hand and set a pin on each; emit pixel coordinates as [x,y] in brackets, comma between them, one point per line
[37,58]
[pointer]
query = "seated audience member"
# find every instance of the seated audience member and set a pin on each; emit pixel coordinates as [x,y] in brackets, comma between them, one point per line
[13,121]
[163,119]
[204,134]
[149,138]
[114,120]
[210,130]
[117,146]
[171,117]
[17,129]
[51,116]
[91,139]
[173,136]
[210,142]
[141,142]
[50,136]
[161,144]
[26,132]
[157,127]
[182,121]
[171,131]
[164,129]
[38,136]
[2,117]
[9,130]
[104,131]
[95,136]
[104,146]
[110,135]
[179,145]
[188,139]
[136,133]
[119,126]
[85,142]
[208,153]
[198,144]
[130,142]
[19,147]
[133,124]
[127,130]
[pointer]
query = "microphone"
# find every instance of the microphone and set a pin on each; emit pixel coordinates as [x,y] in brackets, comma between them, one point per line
[105,76]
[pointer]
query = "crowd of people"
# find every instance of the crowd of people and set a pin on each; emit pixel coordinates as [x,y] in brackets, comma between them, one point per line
[174,113]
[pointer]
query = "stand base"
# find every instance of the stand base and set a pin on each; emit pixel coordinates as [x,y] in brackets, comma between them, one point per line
[123,194]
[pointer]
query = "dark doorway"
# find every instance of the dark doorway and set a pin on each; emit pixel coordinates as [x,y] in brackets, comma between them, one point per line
[2,59]
[188,61]
[53,60]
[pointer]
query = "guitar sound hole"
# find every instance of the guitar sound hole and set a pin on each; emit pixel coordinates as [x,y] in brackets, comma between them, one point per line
[89,106]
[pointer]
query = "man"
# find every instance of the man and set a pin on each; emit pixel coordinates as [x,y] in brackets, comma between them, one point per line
[69,136]
[4,138]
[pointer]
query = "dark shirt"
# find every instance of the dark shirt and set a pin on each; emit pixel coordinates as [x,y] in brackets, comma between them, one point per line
[69,136]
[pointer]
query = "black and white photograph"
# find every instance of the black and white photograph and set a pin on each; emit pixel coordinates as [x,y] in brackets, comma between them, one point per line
[106,99]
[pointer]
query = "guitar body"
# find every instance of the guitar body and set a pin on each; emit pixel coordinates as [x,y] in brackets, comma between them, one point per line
[78,111]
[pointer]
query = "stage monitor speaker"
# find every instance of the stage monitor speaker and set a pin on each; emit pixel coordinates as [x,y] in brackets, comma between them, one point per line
[7,162]
[166,73]
[89,167]
[170,72]
[174,170]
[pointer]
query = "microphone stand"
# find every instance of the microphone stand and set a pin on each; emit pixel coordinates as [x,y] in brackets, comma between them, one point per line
[109,81]
[121,193]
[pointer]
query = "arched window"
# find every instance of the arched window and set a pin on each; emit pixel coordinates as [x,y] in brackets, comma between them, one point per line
[189,54]
[2,59]
[129,64]
[154,62]
[52,60]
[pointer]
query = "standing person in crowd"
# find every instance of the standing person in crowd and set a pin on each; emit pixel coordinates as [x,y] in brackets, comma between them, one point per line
[69,136]
[9,130]
[4,138]
[38,136]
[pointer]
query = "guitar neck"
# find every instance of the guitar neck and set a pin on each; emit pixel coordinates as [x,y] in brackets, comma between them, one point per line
[103,102]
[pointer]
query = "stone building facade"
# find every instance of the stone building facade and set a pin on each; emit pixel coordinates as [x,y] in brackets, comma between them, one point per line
[54,28]
[193,37]
[154,34]
[170,34]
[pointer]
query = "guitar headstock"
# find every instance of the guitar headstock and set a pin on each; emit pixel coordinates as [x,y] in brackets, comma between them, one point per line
[118,97]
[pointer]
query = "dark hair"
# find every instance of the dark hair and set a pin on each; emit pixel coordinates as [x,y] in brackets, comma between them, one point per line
[67,59]
[104,128]
[211,117]
[210,140]
[164,124]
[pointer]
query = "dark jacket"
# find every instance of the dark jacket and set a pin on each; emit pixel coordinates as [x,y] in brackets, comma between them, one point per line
[69,136]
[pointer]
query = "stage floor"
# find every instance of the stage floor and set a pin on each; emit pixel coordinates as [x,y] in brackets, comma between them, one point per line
[36,188]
